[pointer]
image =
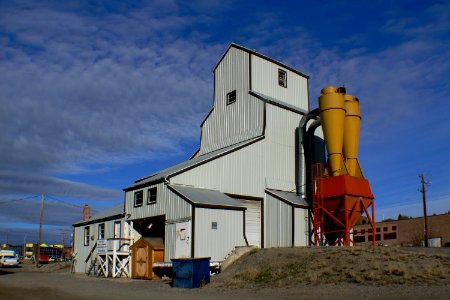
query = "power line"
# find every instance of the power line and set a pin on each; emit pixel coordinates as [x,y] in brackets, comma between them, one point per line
[19,199]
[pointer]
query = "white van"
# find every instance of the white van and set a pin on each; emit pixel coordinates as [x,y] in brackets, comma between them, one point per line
[8,258]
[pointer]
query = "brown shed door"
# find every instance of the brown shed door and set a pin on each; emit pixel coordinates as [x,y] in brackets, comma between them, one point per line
[141,263]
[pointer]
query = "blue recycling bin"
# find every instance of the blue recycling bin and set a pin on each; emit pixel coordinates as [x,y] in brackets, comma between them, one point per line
[190,272]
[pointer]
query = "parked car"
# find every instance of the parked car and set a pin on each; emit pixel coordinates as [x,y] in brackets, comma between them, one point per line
[9,261]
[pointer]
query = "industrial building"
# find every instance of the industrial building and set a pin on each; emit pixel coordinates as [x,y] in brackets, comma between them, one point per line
[406,232]
[238,188]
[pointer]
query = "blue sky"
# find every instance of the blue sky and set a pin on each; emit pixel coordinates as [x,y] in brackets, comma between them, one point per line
[95,94]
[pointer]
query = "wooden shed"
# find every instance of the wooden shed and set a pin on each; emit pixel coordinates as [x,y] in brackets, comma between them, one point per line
[144,253]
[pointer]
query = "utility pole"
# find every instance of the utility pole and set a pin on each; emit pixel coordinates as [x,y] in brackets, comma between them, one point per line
[38,248]
[424,200]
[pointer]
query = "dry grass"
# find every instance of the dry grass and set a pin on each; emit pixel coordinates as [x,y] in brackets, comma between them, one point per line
[379,266]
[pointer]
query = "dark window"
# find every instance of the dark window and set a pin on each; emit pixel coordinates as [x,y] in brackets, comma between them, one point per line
[151,195]
[214,225]
[363,231]
[231,97]
[282,78]
[377,237]
[370,230]
[385,229]
[86,236]
[101,231]
[378,229]
[138,197]
[394,227]
[355,231]
[359,239]
[390,236]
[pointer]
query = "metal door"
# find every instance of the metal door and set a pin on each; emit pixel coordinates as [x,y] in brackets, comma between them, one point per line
[252,221]
[183,240]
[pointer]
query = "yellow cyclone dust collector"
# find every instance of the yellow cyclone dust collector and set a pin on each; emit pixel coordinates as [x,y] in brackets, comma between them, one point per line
[340,116]
[342,195]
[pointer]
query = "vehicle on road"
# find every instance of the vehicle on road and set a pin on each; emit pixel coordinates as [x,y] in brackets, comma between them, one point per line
[9,261]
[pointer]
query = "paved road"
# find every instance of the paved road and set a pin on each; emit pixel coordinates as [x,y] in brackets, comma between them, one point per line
[20,284]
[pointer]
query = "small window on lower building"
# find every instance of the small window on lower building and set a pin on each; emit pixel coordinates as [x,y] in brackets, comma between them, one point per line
[378,229]
[394,227]
[231,97]
[151,195]
[385,229]
[86,236]
[282,78]
[214,225]
[138,198]
[101,231]
[390,236]
[359,239]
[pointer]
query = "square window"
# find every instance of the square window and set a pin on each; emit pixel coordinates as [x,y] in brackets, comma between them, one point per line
[231,97]
[282,78]
[151,195]
[214,225]
[394,228]
[385,229]
[138,198]
[378,229]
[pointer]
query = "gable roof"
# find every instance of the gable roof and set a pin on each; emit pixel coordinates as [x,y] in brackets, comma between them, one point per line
[199,197]
[233,45]
[160,176]
[115,212]
[288,197]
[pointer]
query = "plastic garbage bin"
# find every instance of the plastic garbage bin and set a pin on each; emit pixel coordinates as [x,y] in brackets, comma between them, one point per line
[190,272]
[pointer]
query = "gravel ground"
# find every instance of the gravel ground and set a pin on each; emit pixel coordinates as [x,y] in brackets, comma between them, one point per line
[55,282]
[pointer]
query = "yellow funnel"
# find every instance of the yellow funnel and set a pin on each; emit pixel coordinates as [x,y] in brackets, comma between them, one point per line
[351,135]
[332,115]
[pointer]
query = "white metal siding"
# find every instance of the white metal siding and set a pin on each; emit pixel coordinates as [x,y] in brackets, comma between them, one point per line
[241,172]
[301,227]
[167,203]
[240,121]
[277,223]
[217,243]
[82,251]
[252,221]
[280,141]
[265,81]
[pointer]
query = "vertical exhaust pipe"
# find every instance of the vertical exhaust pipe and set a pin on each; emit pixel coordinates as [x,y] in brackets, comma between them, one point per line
[332,113]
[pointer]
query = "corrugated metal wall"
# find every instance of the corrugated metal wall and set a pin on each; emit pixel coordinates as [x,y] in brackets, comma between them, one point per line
[241,172]
[277,223]
[167,203]
[265,81]
[240,121]
[218,243]
[82,251]
[280,141]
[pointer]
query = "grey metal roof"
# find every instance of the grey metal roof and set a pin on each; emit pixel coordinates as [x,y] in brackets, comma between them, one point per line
[189,164]
[205,198]
[290,197]
[115,211]
[277,102]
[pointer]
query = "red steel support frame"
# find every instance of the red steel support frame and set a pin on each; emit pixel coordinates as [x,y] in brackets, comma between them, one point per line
[342,201]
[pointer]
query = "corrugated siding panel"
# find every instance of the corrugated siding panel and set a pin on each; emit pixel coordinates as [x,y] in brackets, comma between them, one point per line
[167,203]
[265,81]
[82,251]
[277,223]
[301,227]
[241,172]
[169,246]
[217,243]
[237,122]
[280,141]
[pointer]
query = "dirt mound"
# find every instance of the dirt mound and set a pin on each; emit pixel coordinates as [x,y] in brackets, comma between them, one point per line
[335,265]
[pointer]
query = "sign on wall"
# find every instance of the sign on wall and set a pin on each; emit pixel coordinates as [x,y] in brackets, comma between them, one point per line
[102,247]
